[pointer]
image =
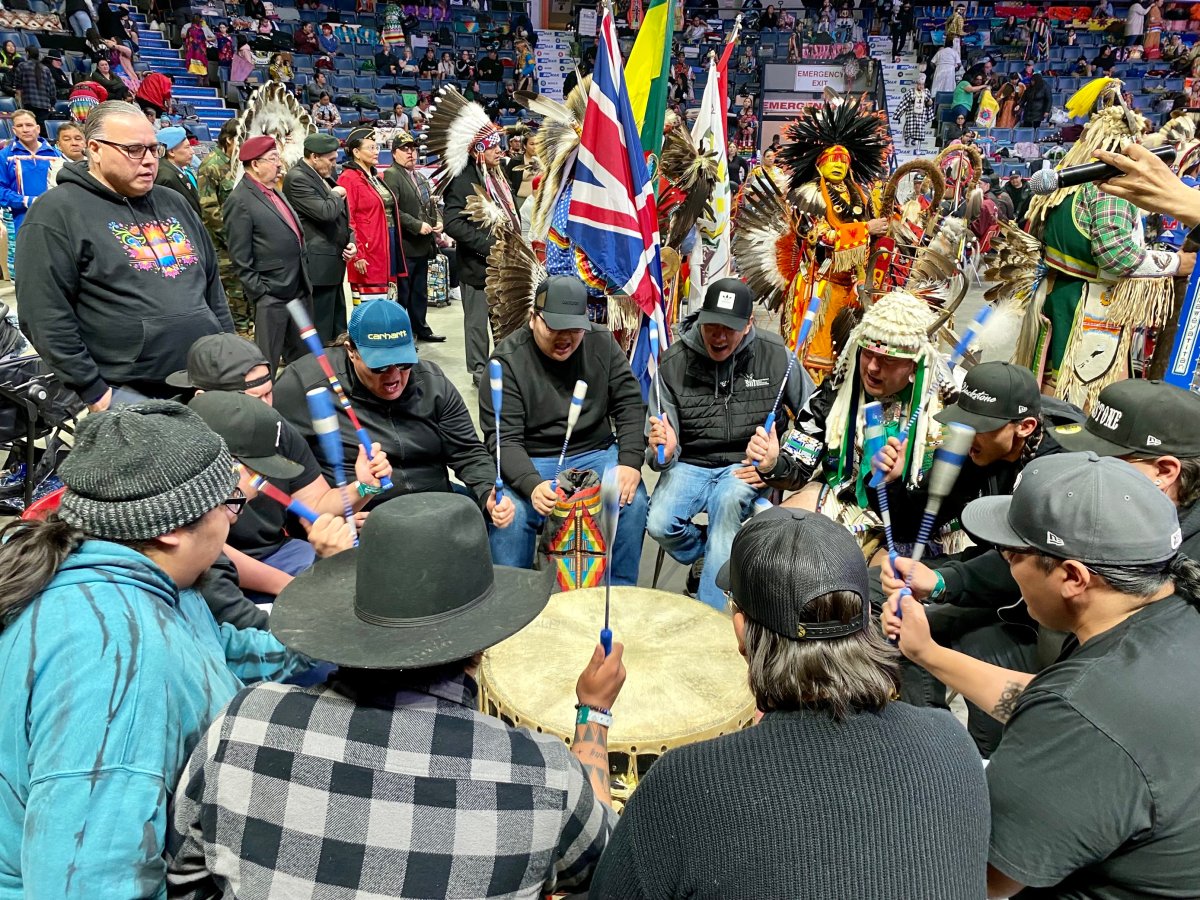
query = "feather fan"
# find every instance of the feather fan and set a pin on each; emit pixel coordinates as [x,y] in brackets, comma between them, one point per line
[554,144]
[765,243]
[513,274]
[272,110]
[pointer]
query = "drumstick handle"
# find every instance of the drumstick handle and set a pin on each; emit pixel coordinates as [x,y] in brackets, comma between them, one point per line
[606,640]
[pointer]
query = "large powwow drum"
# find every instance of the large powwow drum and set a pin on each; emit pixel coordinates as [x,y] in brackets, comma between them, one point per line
[686,681]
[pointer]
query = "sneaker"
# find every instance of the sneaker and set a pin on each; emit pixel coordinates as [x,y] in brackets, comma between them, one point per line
[693,579]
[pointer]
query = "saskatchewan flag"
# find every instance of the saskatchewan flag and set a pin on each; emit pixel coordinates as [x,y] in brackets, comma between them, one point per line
[647,70]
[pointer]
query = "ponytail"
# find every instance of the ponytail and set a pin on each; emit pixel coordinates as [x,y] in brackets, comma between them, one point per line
[1185,572]
[30,556]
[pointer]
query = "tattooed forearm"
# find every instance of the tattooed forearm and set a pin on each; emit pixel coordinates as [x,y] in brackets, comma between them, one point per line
[1003,709]
[590,746]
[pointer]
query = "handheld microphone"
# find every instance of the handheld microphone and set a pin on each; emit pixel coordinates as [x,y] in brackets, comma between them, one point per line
[1047,181]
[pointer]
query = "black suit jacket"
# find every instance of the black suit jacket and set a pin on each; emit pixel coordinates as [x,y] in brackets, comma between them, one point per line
[266,254]
[412,213]
[325,220]
[170,177]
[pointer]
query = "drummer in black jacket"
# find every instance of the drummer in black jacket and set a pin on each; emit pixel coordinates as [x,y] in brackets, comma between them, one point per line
[407,406]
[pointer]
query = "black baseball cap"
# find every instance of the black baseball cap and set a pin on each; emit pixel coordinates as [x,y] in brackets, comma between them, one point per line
[250,428]
[994,394]
[727,302]
[783,558]
[219,362]
[1094,509]
[1135,416]
[561,300]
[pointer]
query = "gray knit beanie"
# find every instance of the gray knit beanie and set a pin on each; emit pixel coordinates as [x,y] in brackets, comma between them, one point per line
[142,471]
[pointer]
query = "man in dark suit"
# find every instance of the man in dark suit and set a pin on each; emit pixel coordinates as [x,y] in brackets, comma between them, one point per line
[266,246]
[175,171]
[417,211]
[321,204]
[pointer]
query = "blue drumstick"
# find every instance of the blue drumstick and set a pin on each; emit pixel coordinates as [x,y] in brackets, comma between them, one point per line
[662,450]
[329,436]
[285,499]
[873,415]
[496,376]
[810,316]
[610,512]
[573,411]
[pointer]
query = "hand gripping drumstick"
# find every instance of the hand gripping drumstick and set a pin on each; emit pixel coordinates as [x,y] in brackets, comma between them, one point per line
[873,414]
[496,377]
[948,461]
[662,450]
[309,333]
[572,417]
[610,513]
[325,425]
[283,498]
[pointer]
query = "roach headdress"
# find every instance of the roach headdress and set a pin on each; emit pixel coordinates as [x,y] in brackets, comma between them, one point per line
[843,124]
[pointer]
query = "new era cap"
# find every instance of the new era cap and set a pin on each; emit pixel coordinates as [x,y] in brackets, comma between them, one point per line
[782,559]
[727,302]
[382,332]
[220,362]
[250,428]
[1094,509]
[1152,418]
[561,300]
[994,394]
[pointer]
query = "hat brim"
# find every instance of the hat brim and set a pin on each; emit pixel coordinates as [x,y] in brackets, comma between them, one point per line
[315,615]
[729,320]
[986,519]
[274,466]
[982,424]
[1077,439]
[179,379]
[379,357]
[564,322]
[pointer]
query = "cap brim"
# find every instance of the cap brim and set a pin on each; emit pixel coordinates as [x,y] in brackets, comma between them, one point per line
[729,320]
[564,322]
[315,615]
[982,424]
[274,466]
[179,379]
[723,577]
[986,519]
[379,357]
[1077,439]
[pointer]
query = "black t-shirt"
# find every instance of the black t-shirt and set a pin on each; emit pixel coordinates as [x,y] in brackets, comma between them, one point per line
[258,531]
[1095,785]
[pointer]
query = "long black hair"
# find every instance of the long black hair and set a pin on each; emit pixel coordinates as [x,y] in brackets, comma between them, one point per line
[30,556]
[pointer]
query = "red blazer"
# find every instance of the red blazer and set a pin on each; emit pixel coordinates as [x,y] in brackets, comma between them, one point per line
[369,222]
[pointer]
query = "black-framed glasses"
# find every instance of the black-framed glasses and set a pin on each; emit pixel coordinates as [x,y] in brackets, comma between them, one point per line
[236,503]
[399,367]
[136,152]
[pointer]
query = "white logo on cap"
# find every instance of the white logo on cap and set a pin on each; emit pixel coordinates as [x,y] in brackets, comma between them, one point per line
[1022,409]
[981,395]
[725,299]
[1106,416]
[1152,441]
[1054,540]
[1176,539]
[278,433]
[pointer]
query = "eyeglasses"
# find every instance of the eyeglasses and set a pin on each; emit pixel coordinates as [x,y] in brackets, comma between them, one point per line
[383,370]
[136,152]
[236,503]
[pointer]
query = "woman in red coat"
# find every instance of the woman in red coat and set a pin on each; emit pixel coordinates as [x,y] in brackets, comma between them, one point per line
[380,261]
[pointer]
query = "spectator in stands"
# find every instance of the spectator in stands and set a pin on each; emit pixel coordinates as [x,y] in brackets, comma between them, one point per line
[408,66]
[70,143]
[420,224]
[327,40]
[305,40]
[154,95]
[833,763]
[399,117]
[1135,22]
[1082,68]
[421,112]
[104,76]
[1020,195]
[1035,103]
[316,87]
[280,69]
[1010,34]
[35,86]
[475,94]
[445,69]
[1008,95]
[388,63]
[325,114]
[110,296]
[964,96]
[490,68]
[955,130]
[224,52]
[265,28]
[464,67]
[62,81]
[696,31]
[25,166]
[175,171]
[79,16]
[379,264]
[739,167]
[906,21]
[769,20]
[242,70]
[945,67]
[427,67]
[98,602]
[1105,59]
[1102,10]
[9,57]
[195,47]
[255,9]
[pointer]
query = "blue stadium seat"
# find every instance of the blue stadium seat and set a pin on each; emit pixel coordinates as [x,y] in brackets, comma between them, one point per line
[342,133]
[364,84]
[342,82]
[52,126]
[343,64]
[8,106]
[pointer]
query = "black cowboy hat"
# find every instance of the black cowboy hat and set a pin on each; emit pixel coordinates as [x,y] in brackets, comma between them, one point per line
[420,590]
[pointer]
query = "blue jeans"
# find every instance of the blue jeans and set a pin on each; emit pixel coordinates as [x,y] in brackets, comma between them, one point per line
[516,544]
[80,22]
[294,557]
[683,492]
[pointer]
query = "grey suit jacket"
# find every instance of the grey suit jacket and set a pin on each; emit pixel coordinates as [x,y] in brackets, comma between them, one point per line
[269,259]
[412,212]
[325,219]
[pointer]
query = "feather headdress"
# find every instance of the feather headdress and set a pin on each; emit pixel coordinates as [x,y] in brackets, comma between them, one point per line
[691,172]
[456,126]
[845,124]
[555,143]
[272,110]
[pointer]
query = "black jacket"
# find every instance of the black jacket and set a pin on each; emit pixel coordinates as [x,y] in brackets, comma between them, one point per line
[424,431]
[537,395]
[488,69]
[169,176]
[266,254]
[97,301]
[325,220]
[473,242]
[715,407]
[412,211]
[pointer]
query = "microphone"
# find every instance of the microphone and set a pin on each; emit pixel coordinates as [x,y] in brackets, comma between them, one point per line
[1047,181]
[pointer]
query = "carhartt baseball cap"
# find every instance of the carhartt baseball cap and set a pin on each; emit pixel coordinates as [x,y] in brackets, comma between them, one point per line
[220,362]
[383,334]
[250,428]
[1151,418]
[1094,509]
[782,559]
[727,302]
[561,300]
[994,394]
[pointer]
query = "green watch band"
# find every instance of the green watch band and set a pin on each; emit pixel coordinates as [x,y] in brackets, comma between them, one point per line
[368,490]
[939,588]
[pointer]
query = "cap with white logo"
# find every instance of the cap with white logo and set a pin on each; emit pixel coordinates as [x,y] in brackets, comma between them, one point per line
[728,302]
[1080,506]
[994,394]
[1136,416]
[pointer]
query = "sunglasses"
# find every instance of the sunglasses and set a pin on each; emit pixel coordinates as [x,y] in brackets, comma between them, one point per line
[382,370]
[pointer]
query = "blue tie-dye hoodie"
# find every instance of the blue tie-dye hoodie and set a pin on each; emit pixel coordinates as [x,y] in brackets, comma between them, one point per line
[107,680]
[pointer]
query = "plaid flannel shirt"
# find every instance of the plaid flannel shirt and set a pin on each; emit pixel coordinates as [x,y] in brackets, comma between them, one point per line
[36,85]
[322,792]
[1114,227]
